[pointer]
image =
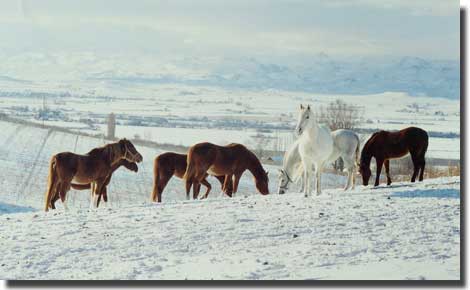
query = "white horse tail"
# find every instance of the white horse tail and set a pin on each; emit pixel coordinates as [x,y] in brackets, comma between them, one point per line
[358,148]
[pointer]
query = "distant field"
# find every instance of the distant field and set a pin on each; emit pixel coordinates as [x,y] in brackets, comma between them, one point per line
[184,115]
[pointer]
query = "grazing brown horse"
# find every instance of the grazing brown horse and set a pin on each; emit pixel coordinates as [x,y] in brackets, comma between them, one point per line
[168,164]
[92,168]
[231,161]
[384,145]
[132,166]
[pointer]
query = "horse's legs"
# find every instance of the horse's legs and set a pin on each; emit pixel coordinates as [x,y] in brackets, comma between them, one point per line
[55,198]
[421,173]
[163,181]
[100,184]
[228,179]
[196,189]
[189,183]
[236,180]
[353,173]
[348,182]
[387,171]
[63,195]
[318,170]
[104,194]
[221,179]
[380,162]
[209,187]
[416,167]
[349,164]
[301,183]
[306,188]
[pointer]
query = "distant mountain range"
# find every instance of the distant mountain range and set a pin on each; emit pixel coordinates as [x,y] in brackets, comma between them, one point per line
[413,75]
[319,74]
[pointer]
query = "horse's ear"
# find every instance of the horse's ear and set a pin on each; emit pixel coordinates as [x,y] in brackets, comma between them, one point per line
[301,106]
[308,107]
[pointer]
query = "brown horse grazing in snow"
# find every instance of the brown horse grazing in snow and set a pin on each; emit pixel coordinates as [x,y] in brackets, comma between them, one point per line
[92,168]
[384,145]
[132,166]
[168,164]
[231,161]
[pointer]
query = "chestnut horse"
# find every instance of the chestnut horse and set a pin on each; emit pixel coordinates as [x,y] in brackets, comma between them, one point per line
[230,160]
[384,145]
[92,168]
[168,164]
[132,166]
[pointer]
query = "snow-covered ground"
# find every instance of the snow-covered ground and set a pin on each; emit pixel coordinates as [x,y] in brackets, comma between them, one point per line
[361,234]
[407,231]
[184,115]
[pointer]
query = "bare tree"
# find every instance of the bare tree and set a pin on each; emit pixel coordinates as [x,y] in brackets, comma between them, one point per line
[340,115]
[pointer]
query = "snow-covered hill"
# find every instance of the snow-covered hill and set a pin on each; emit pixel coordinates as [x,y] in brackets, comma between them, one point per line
[319,73]
[406,231]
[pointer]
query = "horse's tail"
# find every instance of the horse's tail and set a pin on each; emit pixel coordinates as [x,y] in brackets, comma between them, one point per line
[156,181]
[358,148]
[51,182]
[190,168]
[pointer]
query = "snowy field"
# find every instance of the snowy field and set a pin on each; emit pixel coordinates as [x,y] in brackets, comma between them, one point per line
[400,232]
[407,231]
[184,115]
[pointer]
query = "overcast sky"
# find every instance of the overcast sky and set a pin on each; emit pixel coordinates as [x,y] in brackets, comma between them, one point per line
[246,28]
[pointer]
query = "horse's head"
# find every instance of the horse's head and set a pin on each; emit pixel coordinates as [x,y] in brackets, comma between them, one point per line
[129,152]
[364,170]
[305,117]
[262,183]
[283,181]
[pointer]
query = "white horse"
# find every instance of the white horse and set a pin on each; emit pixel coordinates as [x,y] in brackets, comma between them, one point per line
[345,145]
[315,147]
[292,168]
[325,146]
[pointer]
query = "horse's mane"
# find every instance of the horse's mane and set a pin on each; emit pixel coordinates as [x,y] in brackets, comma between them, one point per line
[107,152]
[366,146]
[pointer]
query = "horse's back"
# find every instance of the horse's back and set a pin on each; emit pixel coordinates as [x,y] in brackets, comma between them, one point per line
[171,161]
[345,141]
[416,132]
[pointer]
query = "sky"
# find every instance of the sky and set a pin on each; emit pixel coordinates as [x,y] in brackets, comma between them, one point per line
[274,29]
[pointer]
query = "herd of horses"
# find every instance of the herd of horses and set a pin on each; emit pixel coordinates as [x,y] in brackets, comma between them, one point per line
[315,147]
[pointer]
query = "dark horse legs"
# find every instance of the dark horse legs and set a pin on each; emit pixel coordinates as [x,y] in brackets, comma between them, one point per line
[418,164]
[387,170]
[423,164]
[379,169]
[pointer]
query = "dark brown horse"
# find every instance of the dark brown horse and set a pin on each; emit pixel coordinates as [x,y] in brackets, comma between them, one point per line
[168,164]
[132,166]
[231,161]
[92,168]
[384,145]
